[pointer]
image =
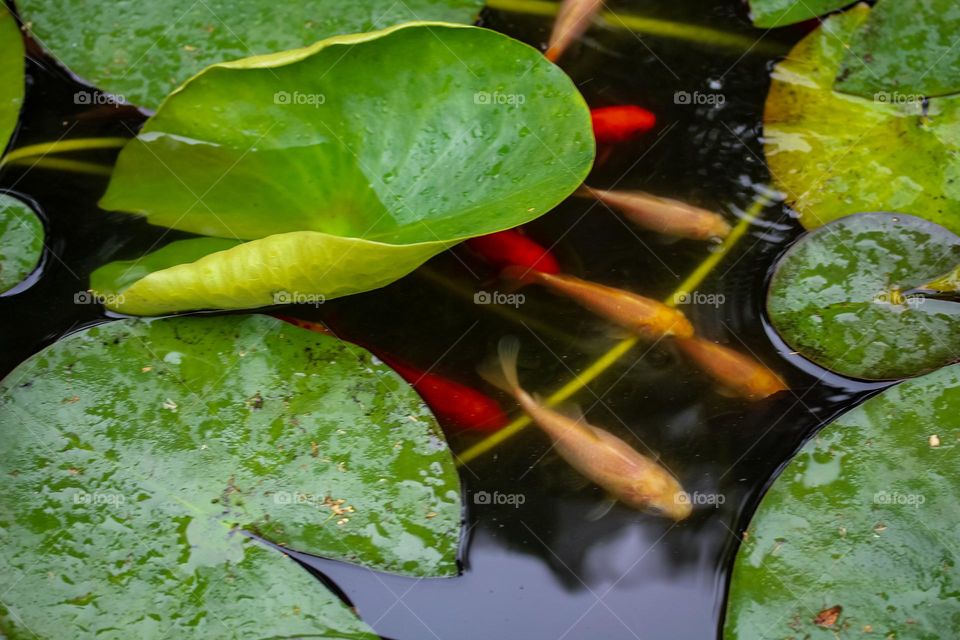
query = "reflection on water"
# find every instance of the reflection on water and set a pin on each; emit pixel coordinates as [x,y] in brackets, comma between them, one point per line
[544,568]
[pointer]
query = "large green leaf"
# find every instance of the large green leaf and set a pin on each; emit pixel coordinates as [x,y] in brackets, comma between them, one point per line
[837,296]
[427,134]
[137,453]
[835,154]
[21,241]
[11,75]
[304,267]
[778,13]
[864,518]
[906,48]
[143,49]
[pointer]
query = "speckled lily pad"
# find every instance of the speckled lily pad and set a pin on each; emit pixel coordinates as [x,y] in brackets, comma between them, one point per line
[857,537]
[840,296]
[21,241]
[137,455]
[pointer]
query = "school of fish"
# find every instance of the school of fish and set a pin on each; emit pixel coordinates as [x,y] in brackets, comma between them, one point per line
[628,476]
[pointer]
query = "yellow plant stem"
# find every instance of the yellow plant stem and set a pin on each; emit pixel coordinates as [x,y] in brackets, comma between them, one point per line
[61,164]
[467,293]
[623,347]
[63,146]
[652,26]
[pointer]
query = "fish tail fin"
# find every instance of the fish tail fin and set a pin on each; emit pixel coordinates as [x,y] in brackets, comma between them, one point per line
[502,372]
[509,351]
[516,277]
[583,191]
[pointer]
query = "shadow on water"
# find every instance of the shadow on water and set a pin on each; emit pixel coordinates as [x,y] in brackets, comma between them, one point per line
[535,564]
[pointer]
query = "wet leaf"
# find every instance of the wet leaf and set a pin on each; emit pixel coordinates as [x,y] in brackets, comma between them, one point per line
[838,297]
[815,539]
[11,76]
[21,241]
[351,162]
[143,50]
[138,453]
[835,154]
[778,13]
[904,49]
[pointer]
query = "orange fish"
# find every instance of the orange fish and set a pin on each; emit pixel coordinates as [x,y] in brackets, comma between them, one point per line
[622,123]
[738,374]
[662,215]
[627,475]
[512,248]
[572,21]
[644,316]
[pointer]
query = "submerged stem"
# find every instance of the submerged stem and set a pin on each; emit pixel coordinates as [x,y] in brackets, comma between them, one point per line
[623,347]
[61,164]
[652,26]
[455,287]
[63,146]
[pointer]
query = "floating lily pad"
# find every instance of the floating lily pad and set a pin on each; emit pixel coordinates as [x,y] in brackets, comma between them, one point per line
[857,537]
[11,75]
[137,454]
[837,297]
[350,162]
[779,13]
[142,50]
[21,241]
[835,154]
[905,47]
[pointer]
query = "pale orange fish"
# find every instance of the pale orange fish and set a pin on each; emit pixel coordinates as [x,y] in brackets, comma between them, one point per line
[626,474]
[572,21]
[737,374]
[644,316]
[662,215]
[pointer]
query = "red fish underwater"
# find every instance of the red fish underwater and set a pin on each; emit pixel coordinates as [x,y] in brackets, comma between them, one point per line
[738,375]
[619,124]
[663,215]
[455,405]
[644,316]
[627,475]
[572,21]
[512,248]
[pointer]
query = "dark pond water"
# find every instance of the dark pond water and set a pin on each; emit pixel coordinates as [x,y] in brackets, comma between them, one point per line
[542,569]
